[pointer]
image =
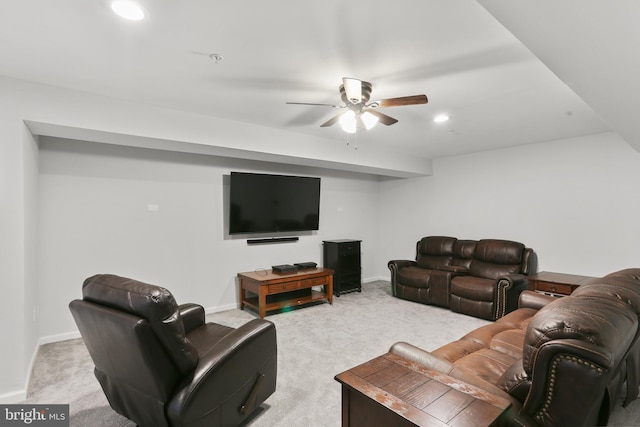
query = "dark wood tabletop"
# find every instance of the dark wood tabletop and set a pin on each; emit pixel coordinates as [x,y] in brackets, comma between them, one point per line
[391,390]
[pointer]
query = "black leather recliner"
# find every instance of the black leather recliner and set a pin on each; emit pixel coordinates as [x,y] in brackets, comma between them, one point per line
[160,364]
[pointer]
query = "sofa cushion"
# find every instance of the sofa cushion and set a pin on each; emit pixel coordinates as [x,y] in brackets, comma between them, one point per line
[435,252]
[416,277]
[473,288]
[463,253]
[509,342]
[492,335]
[489,351]
[494,258]
[486,363]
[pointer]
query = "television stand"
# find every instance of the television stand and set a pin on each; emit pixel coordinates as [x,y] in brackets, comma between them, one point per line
[265,290]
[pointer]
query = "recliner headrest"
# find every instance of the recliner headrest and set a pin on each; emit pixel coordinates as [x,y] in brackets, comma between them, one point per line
[435,252]
[499,251]
[436,245]
[147,301]
[153,303]
[605,323]
[623,286]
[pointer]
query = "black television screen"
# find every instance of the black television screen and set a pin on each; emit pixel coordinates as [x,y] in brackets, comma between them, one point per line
[263,203]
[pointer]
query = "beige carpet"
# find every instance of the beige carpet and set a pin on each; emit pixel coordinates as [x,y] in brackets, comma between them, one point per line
[314,344]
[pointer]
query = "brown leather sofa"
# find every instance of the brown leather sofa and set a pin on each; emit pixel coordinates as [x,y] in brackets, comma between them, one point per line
[480,278]
[161,365]
[560,361]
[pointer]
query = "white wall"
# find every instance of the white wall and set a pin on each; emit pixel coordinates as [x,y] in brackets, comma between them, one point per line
[18,208]
[94,218]
[31,316]
[575,202]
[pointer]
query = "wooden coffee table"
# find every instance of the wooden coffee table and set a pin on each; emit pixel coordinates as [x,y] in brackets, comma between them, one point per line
[392,391]
[265,290]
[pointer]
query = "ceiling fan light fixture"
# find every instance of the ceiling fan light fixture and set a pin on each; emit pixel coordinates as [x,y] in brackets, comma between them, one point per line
[128,10]
[348,122]
[353,89]
[441,118]
[369,120]
[361,114]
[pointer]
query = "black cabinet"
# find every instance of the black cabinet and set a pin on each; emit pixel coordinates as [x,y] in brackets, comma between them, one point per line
[343,256]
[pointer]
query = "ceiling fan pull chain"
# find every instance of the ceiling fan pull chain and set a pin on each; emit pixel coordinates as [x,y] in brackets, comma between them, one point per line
[355,142]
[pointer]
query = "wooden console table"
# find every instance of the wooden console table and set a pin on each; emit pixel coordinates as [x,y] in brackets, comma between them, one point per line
[264,290]
[392,391]
[557,284]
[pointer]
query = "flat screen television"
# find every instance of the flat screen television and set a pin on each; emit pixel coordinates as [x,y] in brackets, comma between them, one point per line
[263,203]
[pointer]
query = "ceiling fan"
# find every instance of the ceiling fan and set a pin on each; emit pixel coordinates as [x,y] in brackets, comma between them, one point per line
[359,112]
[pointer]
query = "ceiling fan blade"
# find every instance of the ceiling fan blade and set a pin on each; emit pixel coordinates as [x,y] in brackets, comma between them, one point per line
[352,89]
[320,105]
[331,121]
[382,118]
[403,100]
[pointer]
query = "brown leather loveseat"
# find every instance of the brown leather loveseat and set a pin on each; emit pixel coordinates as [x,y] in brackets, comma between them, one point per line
[480,278]
[560,361]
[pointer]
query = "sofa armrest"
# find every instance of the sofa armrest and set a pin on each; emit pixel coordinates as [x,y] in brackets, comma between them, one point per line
[516,280]
[192,316]
[576,362]
[226,374]
[423,357]
[514,284]
[396,264]
[508,291]
[535,300]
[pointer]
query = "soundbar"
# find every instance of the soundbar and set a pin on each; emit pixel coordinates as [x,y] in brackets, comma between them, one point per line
[272,240]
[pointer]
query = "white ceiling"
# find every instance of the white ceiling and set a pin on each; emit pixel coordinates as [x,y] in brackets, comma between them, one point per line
[497,92]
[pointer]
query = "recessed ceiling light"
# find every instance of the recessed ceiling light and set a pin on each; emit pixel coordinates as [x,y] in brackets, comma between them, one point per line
[128,10]
[441,118]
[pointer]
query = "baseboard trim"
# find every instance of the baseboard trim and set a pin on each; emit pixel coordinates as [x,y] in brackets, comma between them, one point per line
[57,338]
[32,363]
[218,309]
[375,279]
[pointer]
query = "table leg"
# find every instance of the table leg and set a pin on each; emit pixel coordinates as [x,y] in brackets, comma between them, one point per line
[242,297]
[262,302]
[345,406]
